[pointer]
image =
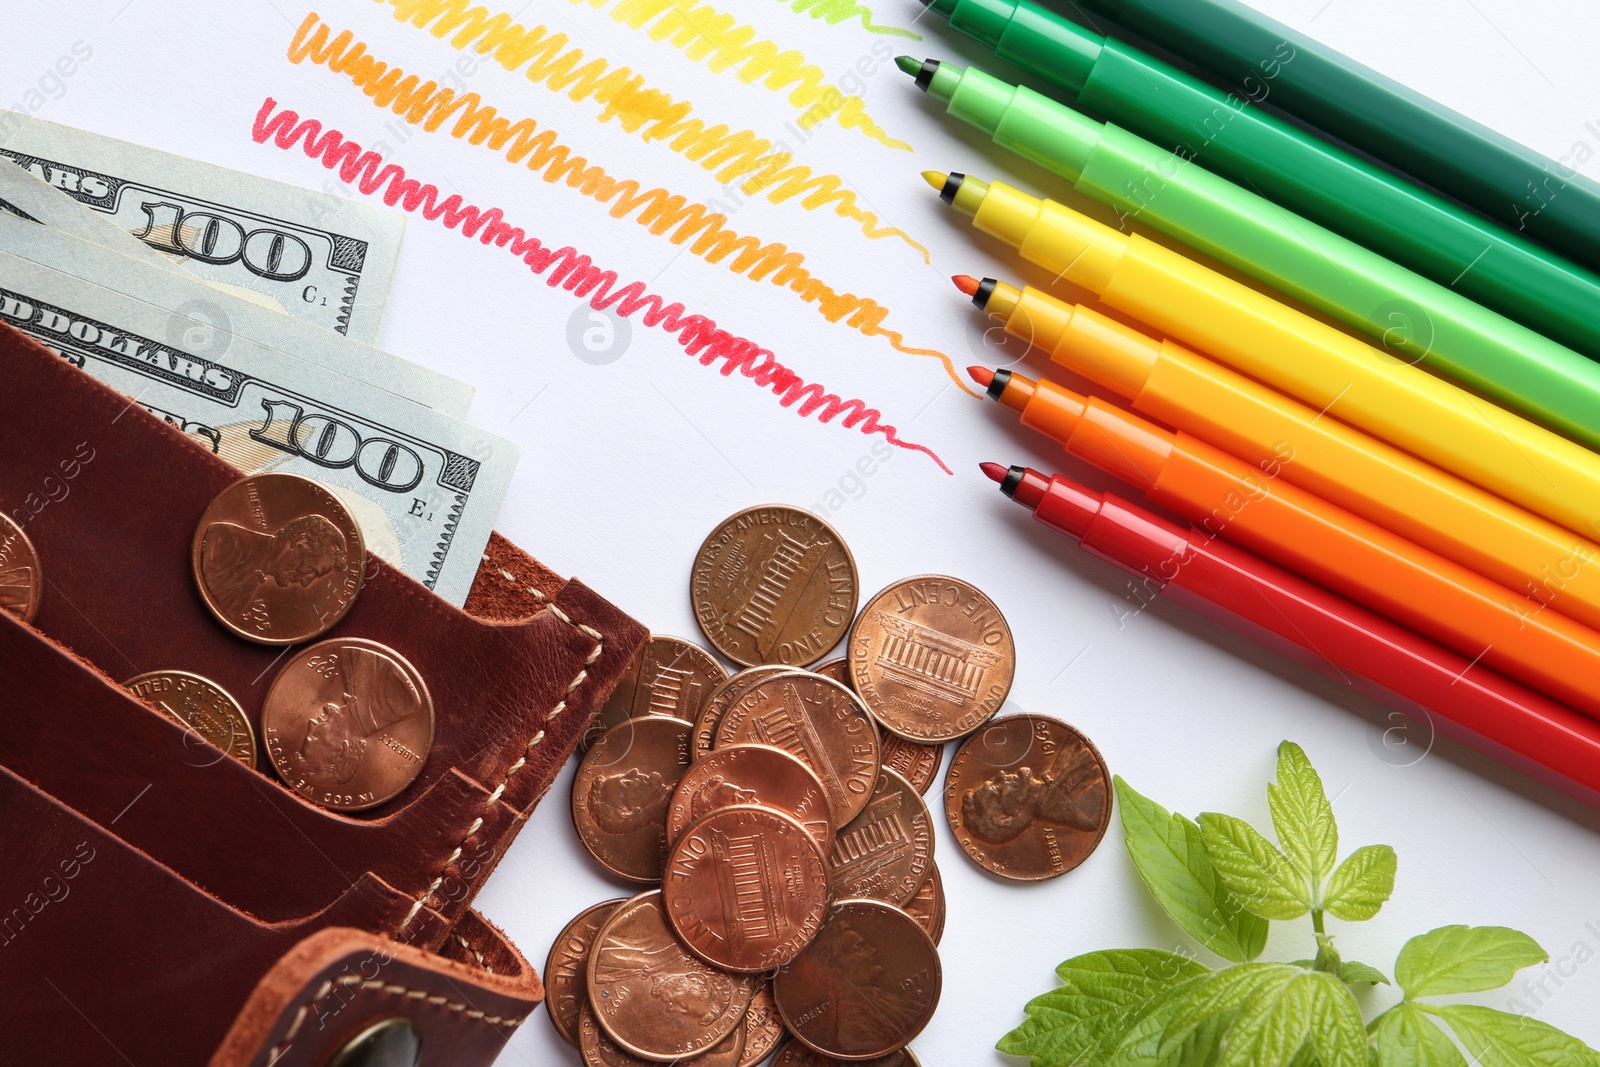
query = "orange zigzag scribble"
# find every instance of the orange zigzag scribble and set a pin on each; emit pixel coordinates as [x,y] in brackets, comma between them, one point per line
[703,33]
[755,163]
[658,210]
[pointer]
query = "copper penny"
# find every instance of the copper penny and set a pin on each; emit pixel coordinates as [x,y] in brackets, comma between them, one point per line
[795,1054]
[278,558]
[1028,797]
[763,1027]
[621,792]
[752,774]
[818,721]
[865,987]
[746,888]
[916,762]
[348,723]
[566,968]
[932,658]
[667,676]
[927,907]
[655,998]
[774,584]
[717,704]
[201,706]
[884,852]
[21,579]
[598,1050]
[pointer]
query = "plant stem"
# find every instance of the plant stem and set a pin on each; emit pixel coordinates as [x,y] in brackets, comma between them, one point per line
[1316,921]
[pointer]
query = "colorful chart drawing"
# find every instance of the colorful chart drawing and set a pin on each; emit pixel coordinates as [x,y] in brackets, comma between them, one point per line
[662,212]
[834,12]
[707,35]
[731,156]
[571,270]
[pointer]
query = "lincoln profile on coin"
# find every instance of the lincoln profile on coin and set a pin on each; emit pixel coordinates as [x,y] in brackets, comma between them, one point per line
[1004,805]
[237,561]
[377,694]
[719,793]
[629,801]
[698,994]
[863,1009]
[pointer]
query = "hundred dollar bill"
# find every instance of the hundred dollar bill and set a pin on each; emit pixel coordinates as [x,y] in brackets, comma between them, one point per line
[33,199]
[201,307]
[323,259]
[425,488]
[28,197]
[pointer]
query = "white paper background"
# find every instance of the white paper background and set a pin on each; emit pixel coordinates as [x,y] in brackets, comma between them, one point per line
[627,465]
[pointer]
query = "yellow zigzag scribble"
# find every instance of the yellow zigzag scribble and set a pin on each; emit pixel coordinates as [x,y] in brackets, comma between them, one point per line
[703,33]
[836,11]
[651,113]
[658,210]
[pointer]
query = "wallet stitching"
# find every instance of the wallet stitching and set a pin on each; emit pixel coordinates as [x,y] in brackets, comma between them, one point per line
[327,987]
[499,791]
[470,947]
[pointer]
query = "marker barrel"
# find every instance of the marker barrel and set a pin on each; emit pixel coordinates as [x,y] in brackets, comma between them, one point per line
[1318,364]
[1543,198]
[1393,665]
[1256,508]
[1418,501]
[1231,135]
[1420,320]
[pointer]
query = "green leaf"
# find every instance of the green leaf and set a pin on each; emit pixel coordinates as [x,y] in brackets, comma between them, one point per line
[1227,991]
[1499,1039]
[1103,992]
[1167,851]
[1336,1029]
[1351,972]
[1361,884]
[1260,876]
[1270,1028]
[1271,1011]
[1464,959]
[1143,1044]
[1408,1038]
[1302,815]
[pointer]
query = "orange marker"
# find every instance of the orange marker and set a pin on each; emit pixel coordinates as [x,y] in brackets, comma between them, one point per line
[1253,507]
[1176,387]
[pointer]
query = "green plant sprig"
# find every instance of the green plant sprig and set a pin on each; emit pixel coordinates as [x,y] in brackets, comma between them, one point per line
[1222,881]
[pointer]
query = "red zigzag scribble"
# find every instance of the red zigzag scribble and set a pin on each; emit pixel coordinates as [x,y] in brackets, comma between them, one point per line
[571,270]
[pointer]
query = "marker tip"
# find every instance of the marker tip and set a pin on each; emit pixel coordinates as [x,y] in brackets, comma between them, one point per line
[935,179]
[982,375]
[908,65]
[966,283]
[993,471]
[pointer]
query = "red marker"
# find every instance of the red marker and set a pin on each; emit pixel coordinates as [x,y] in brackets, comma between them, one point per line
[1305,622]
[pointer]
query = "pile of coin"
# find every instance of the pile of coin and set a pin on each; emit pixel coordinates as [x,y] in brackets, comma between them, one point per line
[796,885]
[778,816]
[278,560]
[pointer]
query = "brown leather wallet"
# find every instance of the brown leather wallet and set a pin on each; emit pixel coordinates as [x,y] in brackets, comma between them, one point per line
[110,496]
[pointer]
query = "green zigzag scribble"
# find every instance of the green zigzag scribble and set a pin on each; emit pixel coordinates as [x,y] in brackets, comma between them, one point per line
[837,11]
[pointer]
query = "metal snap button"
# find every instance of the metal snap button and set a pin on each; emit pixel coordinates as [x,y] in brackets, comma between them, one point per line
[392,1042]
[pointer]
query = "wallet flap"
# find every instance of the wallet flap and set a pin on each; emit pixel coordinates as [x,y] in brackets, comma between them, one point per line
[110,496]
[111,958]
[338,984]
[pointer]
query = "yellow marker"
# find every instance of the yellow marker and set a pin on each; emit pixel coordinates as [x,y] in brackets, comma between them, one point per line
[1418,501]
[1333,372]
